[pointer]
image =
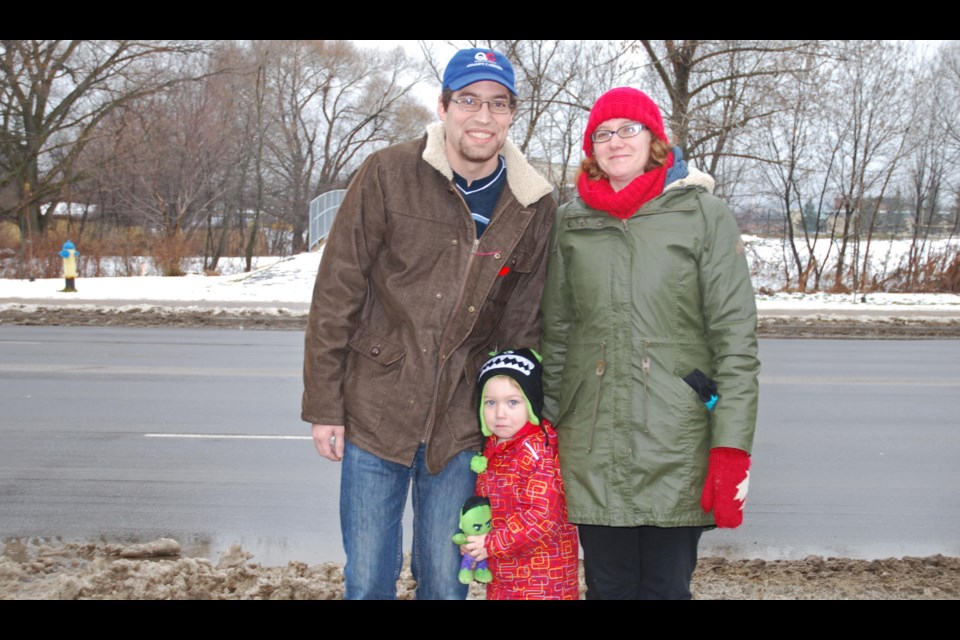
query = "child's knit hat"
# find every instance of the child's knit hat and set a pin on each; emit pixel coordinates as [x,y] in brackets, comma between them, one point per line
[523,366]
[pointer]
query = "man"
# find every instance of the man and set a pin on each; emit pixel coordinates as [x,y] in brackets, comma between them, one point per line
[437,257]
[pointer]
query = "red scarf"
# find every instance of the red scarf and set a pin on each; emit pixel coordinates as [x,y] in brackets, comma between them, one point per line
[622,204]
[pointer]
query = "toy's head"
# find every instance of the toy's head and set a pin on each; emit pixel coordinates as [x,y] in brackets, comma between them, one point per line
[68,245]
[476,516]
[523,367]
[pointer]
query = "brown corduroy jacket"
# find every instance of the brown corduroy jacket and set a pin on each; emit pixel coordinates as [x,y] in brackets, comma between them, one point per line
[408,303]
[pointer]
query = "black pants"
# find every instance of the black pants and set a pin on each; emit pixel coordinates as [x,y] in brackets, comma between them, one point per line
[639,563]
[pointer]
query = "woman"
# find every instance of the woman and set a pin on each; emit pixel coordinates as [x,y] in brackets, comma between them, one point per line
[650,356]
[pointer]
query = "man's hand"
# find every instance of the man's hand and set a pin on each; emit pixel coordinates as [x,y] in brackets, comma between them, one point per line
[728,478]
[328,439]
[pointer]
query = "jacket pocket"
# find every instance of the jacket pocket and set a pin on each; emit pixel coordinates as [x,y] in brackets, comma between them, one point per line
[521,261]
[518,265]
[373,369]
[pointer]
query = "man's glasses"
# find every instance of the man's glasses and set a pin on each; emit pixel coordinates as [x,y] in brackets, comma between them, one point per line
[469,103]
[626,131]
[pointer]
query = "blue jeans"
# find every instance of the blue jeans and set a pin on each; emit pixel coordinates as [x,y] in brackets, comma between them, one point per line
[373,495]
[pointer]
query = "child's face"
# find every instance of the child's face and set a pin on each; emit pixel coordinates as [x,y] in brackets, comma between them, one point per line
[504,407]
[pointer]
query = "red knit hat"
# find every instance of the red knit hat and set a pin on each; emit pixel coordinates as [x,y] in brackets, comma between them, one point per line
[624,102]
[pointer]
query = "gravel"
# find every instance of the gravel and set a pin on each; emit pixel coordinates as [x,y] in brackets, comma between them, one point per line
[56,570]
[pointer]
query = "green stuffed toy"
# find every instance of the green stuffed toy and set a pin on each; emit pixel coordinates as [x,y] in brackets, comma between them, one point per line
[476,518]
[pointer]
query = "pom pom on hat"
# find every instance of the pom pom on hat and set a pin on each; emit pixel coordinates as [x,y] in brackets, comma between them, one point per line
[624,102]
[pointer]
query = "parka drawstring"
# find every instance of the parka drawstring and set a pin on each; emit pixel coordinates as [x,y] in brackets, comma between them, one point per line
[645,366]
[600,371]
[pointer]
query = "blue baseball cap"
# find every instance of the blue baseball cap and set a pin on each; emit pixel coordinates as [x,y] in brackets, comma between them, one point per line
[475,65]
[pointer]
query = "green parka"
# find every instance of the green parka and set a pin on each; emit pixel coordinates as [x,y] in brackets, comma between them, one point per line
[629,308]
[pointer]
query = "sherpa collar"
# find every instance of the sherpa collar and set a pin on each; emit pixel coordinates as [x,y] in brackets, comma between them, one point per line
[527,185]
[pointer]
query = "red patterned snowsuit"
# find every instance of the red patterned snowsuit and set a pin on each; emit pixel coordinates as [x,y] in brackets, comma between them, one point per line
[533,548]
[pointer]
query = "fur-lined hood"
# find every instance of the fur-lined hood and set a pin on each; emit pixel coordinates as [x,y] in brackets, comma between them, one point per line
[525,182]
[682,174]
[694,178]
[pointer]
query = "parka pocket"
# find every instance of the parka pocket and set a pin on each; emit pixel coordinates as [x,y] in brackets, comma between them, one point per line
[373,369]
[684,414]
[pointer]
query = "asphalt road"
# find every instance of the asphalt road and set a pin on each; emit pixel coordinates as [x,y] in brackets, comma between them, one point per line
[128,434]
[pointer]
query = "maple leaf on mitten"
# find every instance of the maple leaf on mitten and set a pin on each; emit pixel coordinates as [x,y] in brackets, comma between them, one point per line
[725,491]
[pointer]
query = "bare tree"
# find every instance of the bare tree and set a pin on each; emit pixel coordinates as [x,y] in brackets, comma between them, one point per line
[559,82]
[869,123]
[947,65]
[54,93]
[795,160]
[932,161]
[177,166]
[716,88]
[333,103]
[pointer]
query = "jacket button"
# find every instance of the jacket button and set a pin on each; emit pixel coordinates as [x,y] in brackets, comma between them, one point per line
[497,256]
[375,351]
[471,308]
[454,242]
[439,295]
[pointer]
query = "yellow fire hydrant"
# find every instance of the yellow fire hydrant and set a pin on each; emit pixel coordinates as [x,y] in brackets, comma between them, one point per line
[69,255]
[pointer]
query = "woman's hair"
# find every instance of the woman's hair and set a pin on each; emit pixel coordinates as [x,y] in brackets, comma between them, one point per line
[658,155]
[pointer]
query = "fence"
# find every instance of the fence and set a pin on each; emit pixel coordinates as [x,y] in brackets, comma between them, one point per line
[323,209]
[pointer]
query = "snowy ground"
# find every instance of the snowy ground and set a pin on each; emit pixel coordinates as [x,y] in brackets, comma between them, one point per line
[282,286]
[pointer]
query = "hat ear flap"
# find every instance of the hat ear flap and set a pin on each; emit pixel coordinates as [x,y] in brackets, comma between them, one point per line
[483,422]
[531,414]
[483,425]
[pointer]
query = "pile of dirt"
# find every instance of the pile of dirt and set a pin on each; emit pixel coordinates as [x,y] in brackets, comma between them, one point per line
[55,570]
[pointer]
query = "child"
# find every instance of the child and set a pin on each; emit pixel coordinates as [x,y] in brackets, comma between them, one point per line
[532,550]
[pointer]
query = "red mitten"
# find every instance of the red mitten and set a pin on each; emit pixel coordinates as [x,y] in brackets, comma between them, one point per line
[728,478]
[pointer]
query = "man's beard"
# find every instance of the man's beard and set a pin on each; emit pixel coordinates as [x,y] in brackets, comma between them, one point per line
[474,154]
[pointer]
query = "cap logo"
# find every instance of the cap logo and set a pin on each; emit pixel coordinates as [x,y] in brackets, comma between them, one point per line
[488,59]
[508,361]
